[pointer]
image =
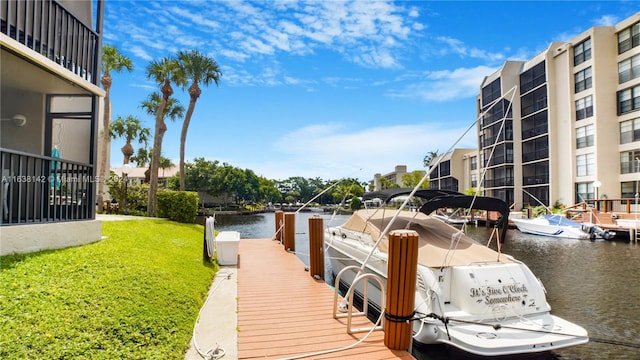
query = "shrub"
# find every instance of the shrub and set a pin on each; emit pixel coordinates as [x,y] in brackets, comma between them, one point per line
[180,206]
[356,203]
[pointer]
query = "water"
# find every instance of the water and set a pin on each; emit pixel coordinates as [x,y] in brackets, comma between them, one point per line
[594,284]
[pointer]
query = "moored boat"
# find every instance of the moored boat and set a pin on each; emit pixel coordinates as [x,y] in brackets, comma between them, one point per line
[467,295]
[557,225]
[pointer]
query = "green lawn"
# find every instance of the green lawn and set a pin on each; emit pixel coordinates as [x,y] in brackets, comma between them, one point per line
[133,295]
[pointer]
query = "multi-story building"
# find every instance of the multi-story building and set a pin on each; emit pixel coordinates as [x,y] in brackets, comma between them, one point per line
[394,177]
[564,126]
[454,170]
[50,51]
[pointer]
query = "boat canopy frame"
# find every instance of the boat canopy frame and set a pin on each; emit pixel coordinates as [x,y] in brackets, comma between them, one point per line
[440,199]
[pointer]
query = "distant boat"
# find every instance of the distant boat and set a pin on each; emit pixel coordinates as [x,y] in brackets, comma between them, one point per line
[557,225]
[452,219]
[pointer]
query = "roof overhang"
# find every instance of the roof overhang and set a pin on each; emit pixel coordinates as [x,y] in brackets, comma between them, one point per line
[48,65]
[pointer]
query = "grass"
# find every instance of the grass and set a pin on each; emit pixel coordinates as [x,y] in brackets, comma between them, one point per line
[133,295]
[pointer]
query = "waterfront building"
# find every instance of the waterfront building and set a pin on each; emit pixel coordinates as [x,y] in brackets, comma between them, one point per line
[455,170]
[394,177]
[50,105]
[572,128]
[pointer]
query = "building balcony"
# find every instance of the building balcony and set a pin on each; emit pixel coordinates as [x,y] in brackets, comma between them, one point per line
[44,189]
[49,29]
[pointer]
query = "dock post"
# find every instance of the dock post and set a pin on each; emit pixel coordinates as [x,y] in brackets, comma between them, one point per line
[401,287]
[289,235]
[279,225]
[316,247]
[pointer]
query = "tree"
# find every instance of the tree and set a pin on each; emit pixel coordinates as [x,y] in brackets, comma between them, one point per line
[129,128]
[347,188]
[268,191]
[431,155]
[141,158]
[386,184]
[112,60]
[172,109]
[165,163]
[200,69]
[163,72]
[410,180]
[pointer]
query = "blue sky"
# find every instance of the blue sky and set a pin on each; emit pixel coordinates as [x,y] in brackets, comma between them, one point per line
[334,89]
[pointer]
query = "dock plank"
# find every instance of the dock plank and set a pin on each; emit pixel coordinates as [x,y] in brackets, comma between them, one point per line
[284,312]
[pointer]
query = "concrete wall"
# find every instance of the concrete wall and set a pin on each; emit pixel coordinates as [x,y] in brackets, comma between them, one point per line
[38,237]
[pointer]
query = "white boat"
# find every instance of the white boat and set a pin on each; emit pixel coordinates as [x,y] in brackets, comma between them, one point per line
[467,295]
[628,223]
[453,219]
[557,225]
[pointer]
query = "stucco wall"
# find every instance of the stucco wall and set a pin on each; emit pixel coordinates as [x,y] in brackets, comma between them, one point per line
[37,237]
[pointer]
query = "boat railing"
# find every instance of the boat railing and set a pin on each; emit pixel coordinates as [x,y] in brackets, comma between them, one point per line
[339,310]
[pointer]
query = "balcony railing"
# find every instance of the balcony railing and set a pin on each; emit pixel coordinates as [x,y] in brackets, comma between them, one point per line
[49,29]
[491,183]
[39,189]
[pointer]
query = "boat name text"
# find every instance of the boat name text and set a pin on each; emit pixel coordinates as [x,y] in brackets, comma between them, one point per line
[499,294]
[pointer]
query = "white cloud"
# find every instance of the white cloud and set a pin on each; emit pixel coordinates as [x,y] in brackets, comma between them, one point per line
[445,85]
[458,47]
[195,18]
[320,150]
[606,20]
[140,52]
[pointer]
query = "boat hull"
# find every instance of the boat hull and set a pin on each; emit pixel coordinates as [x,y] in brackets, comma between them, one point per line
[543,228]
[447,298]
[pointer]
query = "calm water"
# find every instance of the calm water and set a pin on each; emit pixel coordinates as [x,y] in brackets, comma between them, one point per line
[594,284]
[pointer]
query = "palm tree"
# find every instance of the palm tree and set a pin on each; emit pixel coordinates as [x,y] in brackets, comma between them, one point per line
[141,158]
[130,129]
[431,155]
[165,163]
[200,69]
[112,60]
[163,72]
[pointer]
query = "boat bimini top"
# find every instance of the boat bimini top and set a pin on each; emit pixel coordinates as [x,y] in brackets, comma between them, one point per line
[440,244]
[440,199]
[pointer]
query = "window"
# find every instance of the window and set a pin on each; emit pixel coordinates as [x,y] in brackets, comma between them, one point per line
[584,136]
[445,168]
[536,195]
[629,162]
[491,92]
[536,173]
[584,107]
[474,180]
[583,80]
[630,131]
[629,189]
[585,191]
[532,78]
[629,38]
[629,100]
[582,52]
[629,69]
[534,125]
[585,164]
[535,149]
[533,101]
[474,162]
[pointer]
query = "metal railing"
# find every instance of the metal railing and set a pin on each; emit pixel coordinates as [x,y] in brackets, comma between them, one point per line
[49,29]
[38,189]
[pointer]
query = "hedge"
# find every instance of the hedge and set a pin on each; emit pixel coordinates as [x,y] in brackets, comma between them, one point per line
[180,206]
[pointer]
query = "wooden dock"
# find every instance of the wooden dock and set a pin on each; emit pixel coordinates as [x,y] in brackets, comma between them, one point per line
[283,312]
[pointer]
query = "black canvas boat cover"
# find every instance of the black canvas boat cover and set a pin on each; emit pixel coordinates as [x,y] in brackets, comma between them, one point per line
[441,199]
